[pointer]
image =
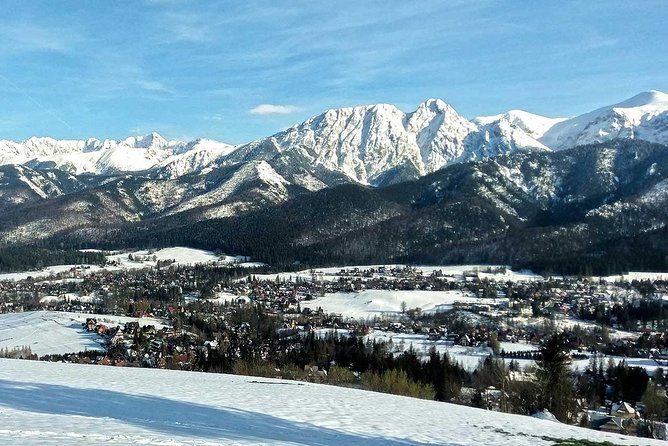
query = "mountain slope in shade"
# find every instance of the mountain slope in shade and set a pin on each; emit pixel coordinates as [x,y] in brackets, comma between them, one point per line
[32,213]
[21,184]
[644,116]
[557,209]
[53,403]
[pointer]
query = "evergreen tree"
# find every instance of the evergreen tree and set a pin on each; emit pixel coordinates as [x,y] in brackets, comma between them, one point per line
[554,376]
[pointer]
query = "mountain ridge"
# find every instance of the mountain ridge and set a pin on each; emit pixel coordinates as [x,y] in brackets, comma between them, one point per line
[374,144]
[372,147]
[562,211]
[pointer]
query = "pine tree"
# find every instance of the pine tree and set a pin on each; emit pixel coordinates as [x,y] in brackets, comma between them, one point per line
[558,390]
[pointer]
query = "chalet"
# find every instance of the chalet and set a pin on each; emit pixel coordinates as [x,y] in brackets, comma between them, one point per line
[621,419]
[90,324]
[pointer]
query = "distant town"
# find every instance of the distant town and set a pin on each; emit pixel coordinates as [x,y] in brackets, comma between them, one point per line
[478,335]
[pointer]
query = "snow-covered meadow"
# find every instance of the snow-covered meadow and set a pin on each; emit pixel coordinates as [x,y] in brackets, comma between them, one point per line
[381,303]
[138,259]
[57,332]
[54,403]
[454,272]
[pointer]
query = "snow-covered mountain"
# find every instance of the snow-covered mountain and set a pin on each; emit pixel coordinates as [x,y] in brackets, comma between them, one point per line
[644,116]
[380,144]
[192,157]
[374,144]
[533,125]
[138,153]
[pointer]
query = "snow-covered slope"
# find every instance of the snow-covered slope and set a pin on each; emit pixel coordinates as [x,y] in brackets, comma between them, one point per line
[227,197]
[533,125]
[57,332]
[644,116]
[21,184]
[54,403]
[132,154]
[368,304]
[192,158]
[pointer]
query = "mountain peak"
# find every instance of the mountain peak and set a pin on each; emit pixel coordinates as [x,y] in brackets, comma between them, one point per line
[533,125]
[153,139]
[646,98]
[435,105]
[642,116]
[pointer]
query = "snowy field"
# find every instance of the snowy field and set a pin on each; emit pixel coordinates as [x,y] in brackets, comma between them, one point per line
[140,260]
[57,332]
[629,277]
[387,303]
[571,322]
[468,357]
[53,403]
[221,298]
[458,272]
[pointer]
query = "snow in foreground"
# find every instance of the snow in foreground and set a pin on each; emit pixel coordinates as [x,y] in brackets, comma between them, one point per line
[54,403]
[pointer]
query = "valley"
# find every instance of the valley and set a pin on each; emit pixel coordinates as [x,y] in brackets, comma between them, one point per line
[190,310]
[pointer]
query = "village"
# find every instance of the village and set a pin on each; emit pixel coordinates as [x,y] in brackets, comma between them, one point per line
[503,307]
[217,318]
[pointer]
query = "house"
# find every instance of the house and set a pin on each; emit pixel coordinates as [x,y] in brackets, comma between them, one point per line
[622,419]
[435,335]
[90,324]
[624,410]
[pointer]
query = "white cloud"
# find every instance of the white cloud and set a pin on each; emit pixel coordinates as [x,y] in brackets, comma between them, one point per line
[271,109]
[153,86]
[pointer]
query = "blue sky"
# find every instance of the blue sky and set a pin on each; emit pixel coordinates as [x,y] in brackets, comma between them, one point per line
[239,70]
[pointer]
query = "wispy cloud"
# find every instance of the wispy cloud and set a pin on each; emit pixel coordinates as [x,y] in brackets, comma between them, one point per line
[272,109]
[25,37]
[114,77]
[35,102]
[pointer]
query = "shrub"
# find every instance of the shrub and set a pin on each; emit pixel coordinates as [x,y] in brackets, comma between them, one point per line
[397,382]
[340,375]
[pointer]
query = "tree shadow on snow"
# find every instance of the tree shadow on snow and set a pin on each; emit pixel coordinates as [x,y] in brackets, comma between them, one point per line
[177,417]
